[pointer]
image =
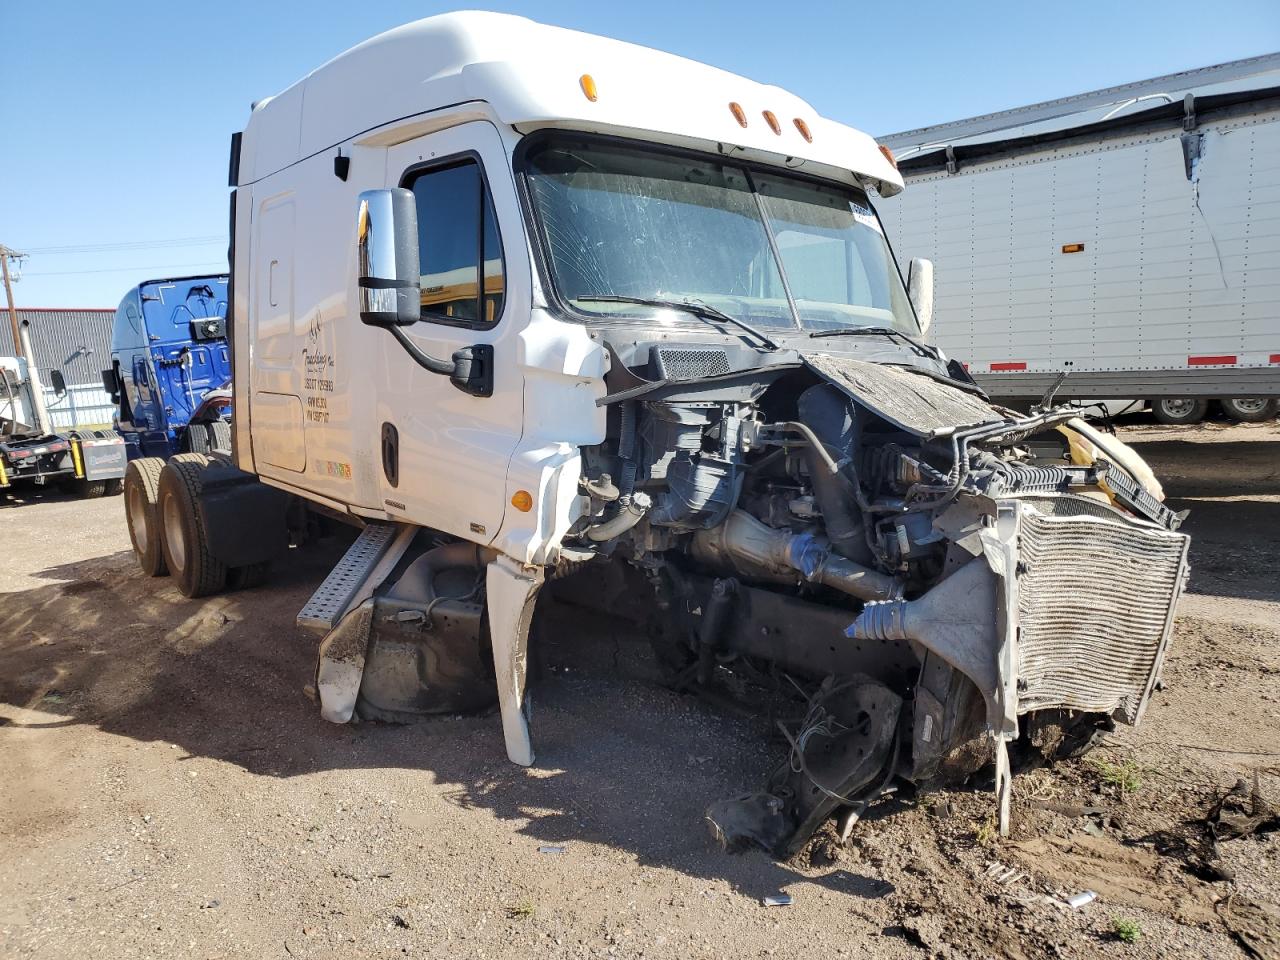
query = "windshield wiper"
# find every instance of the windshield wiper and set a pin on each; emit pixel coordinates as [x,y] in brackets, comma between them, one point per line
[695,307]
[921,348]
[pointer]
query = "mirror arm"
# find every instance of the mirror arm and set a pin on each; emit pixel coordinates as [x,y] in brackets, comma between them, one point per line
[424,360]
[471,369]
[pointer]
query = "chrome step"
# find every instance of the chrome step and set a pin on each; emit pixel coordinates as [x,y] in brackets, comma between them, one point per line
[332,598]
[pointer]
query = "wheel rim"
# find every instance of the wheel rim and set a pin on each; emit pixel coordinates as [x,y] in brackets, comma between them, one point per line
[1178,408]
[173,535]
[1249,404]
[138,518]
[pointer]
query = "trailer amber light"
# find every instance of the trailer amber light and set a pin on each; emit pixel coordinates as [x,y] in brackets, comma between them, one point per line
[1073,248]
[738,114]
[522,500]
[588,85]
[773,123]
[804,130]
[888,155]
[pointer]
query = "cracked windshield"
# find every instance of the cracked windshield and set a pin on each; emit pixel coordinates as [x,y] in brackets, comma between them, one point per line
[625,225]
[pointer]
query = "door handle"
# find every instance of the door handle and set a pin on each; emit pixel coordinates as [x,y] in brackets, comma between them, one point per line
[391,454]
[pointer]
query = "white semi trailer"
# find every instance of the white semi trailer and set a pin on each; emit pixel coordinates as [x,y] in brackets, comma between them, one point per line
[1128,238]
[529,305]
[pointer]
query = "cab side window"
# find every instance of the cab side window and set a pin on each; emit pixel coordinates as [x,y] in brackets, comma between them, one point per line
[459,246]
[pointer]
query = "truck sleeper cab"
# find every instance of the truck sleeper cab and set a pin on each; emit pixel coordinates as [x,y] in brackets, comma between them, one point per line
[170,364]
[535,307]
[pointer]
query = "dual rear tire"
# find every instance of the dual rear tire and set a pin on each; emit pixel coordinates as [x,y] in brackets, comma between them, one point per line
[1183,410]
[167,530]
[186,545]
[1250,409]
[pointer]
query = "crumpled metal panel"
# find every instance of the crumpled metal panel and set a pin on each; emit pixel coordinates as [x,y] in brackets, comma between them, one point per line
[1095,611]
[912,401]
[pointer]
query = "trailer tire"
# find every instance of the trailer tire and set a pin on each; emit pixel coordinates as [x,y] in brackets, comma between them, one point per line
[142,511]
[1249,409]
[115,486]
[1179,410]
[186,546]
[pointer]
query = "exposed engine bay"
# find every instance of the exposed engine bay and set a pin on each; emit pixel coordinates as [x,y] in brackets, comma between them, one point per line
[938,581]
[935,587]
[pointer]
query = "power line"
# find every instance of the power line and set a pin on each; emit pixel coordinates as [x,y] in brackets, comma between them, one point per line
[131,245]
[163,266]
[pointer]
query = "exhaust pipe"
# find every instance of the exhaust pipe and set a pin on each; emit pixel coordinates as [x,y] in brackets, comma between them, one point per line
[752,549]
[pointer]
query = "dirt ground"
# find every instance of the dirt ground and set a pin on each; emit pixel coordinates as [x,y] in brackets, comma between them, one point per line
[168,789]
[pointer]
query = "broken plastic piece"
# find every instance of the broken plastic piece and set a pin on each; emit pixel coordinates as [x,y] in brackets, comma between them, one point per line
[778,900]
[552,848]
[1081,898]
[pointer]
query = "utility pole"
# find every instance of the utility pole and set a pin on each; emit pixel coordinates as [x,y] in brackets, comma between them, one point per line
[5,254]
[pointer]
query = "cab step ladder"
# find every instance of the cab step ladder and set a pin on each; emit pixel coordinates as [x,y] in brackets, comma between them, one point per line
[365,565]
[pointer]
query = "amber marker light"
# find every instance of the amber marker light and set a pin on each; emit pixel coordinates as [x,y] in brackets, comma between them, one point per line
[773,123]
[888,155]
[1073,248]
[738,114]
[804,130]
[522,500]
[588,85]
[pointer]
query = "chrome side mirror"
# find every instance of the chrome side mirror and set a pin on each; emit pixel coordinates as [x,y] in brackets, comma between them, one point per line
[387,258]
[920,290]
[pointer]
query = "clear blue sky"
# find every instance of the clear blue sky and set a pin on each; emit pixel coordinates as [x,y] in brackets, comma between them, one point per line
[115,117]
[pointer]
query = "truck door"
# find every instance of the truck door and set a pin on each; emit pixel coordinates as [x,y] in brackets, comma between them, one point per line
[444,453]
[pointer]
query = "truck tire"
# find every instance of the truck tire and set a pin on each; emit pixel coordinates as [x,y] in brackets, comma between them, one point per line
[212,437]
[220,436]
[186,546]
[198,439]
[247,577]
[115,486]
[142,510]
[1179,410]
[1249,409]
[91,489]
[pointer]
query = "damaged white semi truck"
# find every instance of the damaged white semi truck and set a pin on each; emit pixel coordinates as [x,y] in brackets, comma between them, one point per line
[532,305]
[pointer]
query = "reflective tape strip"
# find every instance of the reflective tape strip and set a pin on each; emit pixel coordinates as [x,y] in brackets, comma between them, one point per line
[77,459]
[1275,358]
[4,475]
[1222,361]
[1009,365]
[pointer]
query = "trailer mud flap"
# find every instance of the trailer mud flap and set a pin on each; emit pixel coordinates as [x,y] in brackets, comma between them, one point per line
[101,458]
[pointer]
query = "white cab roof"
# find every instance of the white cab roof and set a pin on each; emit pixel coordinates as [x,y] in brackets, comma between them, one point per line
[528,73]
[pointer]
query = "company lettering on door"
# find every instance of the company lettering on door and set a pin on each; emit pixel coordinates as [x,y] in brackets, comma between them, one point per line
[317,382]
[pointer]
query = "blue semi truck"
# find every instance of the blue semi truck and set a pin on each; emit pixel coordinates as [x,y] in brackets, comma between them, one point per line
[170,368]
